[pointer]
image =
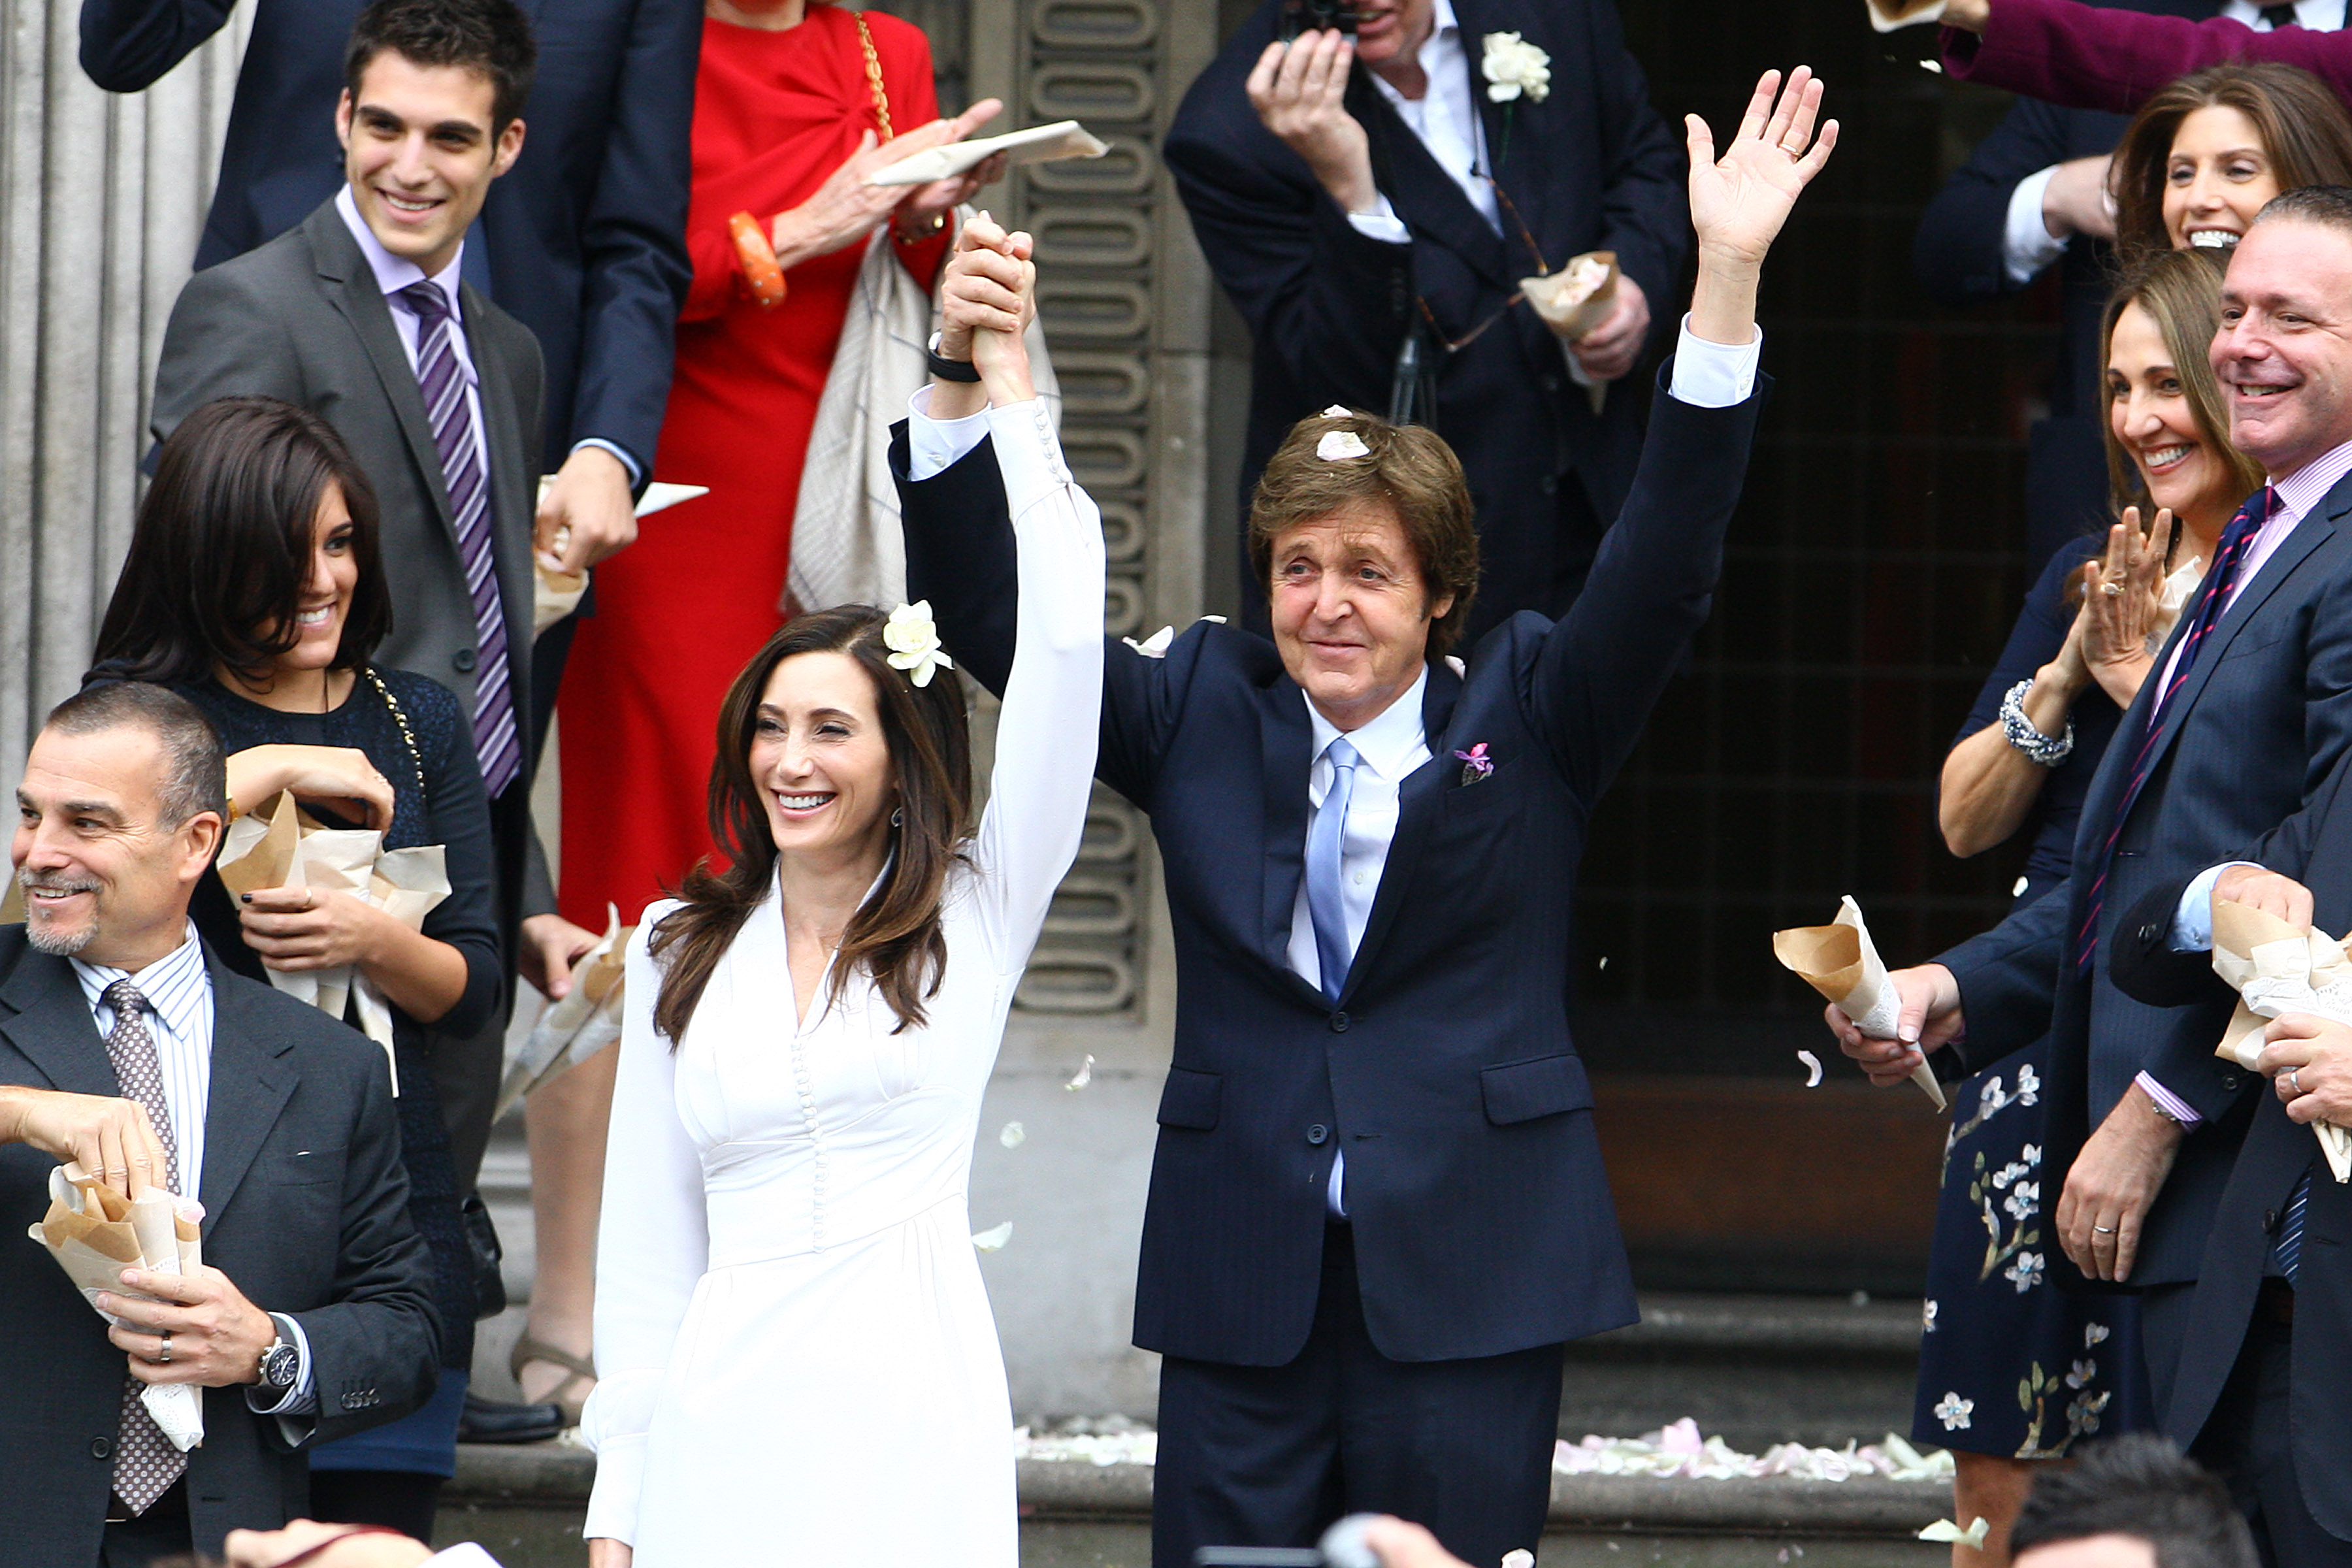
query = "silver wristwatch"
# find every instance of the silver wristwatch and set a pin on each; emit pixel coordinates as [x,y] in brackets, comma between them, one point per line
[281,1364]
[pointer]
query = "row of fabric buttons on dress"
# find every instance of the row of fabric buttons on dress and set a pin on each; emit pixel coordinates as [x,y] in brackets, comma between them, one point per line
[1046,438]
[816,1143]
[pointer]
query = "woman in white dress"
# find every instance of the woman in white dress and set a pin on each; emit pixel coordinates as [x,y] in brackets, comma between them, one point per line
[799,1364]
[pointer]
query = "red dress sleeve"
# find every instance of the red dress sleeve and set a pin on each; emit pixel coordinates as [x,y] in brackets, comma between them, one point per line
[2084,57]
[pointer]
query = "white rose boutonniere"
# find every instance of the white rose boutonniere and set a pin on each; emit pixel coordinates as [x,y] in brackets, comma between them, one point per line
[1513,65]
[913,640]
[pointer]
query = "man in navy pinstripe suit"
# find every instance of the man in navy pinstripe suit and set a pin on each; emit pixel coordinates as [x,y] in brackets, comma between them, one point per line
[1377,1206]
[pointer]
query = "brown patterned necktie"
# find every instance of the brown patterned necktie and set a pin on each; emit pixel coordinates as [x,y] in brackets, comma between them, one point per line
[145,1462]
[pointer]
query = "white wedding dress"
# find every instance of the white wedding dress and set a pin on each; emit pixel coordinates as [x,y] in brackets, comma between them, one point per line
[799,1364]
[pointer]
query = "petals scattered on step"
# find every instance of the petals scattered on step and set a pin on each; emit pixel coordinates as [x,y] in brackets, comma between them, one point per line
[1086,1076]
[1013,1136]
[993,1238]
[1678,1450]
[1813,1062]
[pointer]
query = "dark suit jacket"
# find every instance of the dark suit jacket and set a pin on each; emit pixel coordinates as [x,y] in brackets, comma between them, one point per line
[1444,1069]
[306,1210]
[1589,168]
[585,234]
[302,319]
[2261,722]
[2315,847]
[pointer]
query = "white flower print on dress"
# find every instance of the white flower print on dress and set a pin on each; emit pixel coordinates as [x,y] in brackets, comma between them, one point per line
[2093,1333]
[1955,1412]
[1928,1318]
[2024,1200]
[2029,1085]
[2026,1272]
[2083,1371]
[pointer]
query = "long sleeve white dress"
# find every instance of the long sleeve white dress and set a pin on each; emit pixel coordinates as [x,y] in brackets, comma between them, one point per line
[798,1362]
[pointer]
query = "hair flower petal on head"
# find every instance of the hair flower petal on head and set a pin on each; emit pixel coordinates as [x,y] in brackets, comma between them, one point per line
[913,640]
[1338,411]
[1338,446]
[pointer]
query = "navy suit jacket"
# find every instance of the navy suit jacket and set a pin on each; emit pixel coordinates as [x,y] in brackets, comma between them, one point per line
[305,1211]
[1444,1068]
[1591,167]
[585,234]
[2257,727]
[2315,847]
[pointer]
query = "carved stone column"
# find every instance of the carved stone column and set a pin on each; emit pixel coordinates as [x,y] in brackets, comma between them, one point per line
[102,199]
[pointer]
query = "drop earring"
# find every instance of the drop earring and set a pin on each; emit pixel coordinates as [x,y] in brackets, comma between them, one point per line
[897,816]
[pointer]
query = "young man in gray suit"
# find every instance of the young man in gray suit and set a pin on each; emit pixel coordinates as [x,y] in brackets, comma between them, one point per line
[126,1046]
[359,315]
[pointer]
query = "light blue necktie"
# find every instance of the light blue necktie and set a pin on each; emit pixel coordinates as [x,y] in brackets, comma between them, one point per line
[1325,841]
[2287,1250]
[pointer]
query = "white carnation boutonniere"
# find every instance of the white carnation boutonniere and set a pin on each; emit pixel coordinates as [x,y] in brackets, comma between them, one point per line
[913,640]
[1514,67]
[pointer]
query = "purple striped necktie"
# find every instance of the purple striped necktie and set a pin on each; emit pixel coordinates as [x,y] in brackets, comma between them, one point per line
[443,383]
[2212,600]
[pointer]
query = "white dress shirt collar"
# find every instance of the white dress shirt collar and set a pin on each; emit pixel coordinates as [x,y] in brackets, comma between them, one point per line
[2305,487]
[394,273]
[1387,742]
[1445,117]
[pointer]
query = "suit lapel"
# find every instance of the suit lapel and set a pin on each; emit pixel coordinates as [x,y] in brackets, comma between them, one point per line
[48,1020]
[1418,800]
[2307,536]
[1285,743]
[250,1085]
[360,301]
[1424,195]
[1510,130]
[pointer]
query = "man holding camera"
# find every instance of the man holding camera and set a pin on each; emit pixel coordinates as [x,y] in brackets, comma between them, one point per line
[1372,226]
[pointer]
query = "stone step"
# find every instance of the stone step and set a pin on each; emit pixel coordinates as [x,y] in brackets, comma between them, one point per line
[526,1505]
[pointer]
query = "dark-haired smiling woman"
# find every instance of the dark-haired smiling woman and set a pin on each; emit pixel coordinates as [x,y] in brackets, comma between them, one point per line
[253,587]
[798,1362]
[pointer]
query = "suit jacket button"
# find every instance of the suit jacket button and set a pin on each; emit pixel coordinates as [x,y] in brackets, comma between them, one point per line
[2270,1222]
[1340,1022]
[1319,1134]
[101,1448]
[464,659]
[2230,1081]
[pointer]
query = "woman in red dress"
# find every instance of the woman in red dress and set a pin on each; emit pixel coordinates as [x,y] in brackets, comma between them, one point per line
[787,127]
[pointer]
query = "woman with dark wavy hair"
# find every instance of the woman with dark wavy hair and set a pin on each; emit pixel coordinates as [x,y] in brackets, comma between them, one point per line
[793,1341]
[253,587]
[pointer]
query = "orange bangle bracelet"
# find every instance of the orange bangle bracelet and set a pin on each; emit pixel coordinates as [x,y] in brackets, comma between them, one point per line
[757,258]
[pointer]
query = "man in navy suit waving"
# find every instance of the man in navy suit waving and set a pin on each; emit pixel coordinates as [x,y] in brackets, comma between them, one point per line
[1377,1207]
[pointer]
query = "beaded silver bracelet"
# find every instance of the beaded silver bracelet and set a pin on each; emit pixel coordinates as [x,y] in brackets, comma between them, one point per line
[2045,750]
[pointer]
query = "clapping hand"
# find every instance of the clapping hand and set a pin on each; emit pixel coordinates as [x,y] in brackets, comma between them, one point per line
[2122,595]
[1738,201]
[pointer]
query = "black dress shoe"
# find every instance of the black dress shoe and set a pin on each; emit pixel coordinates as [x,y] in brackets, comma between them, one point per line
[496,1421]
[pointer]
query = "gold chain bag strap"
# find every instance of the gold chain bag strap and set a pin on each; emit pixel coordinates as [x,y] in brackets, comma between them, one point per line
[399,717]
[874,76]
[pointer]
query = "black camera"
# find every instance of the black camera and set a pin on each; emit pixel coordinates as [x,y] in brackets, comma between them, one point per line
[1342,1546]
[1317,15]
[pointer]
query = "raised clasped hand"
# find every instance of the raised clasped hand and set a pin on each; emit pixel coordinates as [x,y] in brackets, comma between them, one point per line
[1928,1020]
[218,1336]
[1739,200]
[846,209]
[987,287]
[1300,90]
[304,928]
[2123,594]
[2309,1061]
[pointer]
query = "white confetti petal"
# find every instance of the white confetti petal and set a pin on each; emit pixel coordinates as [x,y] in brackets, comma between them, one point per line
[1519,1559]
[1813,1062]
[1338,446]
[1013,1136]
[1155,646]
[1337,411]
[1973,1537]
[1085,1075]
[993,1238]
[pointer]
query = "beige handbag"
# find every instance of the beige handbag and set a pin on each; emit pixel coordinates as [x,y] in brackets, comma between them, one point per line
[847,546]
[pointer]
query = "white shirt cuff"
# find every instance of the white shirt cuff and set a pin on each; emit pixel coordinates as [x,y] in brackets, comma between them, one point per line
[637,475]
[935,445]
[465,1554]
[1714,375]
[2192,921]
[2027,245]
[1382,224]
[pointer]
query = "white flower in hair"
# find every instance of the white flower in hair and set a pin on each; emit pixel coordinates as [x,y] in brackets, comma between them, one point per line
[1513,65]
[913,640]
[1338,446]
